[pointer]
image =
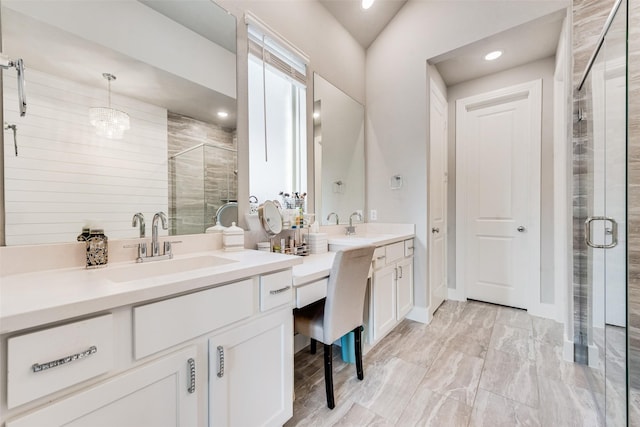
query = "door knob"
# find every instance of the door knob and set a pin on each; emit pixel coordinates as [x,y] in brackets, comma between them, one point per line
[521,229]
[435,230]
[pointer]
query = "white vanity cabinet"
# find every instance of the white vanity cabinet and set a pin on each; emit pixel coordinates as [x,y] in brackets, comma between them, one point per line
[160,393]
[251,366]
[251,373]
[221,355]
[391,287]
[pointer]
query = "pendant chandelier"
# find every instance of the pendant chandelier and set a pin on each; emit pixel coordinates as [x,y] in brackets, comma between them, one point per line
[109,122]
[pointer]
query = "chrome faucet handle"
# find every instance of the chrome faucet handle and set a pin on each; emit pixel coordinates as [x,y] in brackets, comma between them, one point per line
[138,218]
[142,250]
[168,247]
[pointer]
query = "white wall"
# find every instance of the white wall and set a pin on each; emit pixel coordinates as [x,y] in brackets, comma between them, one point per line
[65,177]
[397,108]
[542,69]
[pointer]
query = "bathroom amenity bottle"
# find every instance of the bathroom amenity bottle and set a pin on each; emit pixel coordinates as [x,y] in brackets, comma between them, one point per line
[97,249]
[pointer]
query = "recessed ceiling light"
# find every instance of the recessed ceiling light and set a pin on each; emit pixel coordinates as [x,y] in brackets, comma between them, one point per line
[223,114]
[493,55]
[366,4]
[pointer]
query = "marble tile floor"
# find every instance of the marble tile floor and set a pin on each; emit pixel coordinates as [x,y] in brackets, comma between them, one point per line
[475,364]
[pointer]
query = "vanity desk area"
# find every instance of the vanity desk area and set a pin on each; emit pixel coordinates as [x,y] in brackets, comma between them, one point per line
[390,289]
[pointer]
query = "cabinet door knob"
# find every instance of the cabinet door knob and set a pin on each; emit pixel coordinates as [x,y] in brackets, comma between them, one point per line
[192,375]
[521,229]
[220,361]
[435,230]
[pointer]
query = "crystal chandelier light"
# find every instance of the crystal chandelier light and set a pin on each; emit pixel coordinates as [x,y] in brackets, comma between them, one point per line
[109,122]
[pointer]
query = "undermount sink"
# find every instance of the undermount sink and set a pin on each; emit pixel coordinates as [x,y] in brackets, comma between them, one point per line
[160,268]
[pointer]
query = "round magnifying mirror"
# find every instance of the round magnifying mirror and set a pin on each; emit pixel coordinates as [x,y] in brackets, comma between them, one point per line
[270,218]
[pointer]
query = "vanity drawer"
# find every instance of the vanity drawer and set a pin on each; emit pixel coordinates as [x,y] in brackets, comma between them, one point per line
[163,324]
[408,247]
[395,252]
[311,292]
[276,289]
[379,258]
[43,362]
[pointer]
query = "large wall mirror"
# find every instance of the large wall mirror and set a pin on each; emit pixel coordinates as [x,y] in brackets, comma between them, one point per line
[338,133]
[174,64]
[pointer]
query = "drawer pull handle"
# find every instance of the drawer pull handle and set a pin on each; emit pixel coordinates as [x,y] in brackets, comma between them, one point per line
[381,257]
[220,361]
[192,375]
[410,248]
[37,367]
[279,291]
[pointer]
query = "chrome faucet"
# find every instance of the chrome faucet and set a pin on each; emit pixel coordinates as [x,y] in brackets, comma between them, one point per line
[336,215]
[155,247]
[351,229]
[139,219]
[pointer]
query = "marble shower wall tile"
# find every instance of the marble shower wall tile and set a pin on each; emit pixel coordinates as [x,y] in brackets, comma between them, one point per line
[633,209]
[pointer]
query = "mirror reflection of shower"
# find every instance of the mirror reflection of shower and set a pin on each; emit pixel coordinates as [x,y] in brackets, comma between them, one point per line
[202,173]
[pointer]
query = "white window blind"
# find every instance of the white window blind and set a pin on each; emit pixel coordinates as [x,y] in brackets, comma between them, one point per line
[276,52]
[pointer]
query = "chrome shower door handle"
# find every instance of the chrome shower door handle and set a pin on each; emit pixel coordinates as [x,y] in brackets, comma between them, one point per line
[613,232]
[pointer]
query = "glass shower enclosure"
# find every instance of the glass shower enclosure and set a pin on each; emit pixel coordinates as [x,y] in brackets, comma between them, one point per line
[600,206]
[202,179]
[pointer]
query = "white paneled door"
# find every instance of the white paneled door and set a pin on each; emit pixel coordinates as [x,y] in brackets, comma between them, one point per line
[498,195]
[437,198]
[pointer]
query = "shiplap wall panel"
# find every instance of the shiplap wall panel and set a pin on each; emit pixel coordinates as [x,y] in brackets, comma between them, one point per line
[66,177]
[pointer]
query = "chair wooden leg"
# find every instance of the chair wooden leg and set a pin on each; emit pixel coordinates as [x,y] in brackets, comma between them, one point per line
[328,374]
[312,346]
[357,332]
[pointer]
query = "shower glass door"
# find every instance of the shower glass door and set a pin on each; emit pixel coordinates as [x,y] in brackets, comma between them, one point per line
[604,125]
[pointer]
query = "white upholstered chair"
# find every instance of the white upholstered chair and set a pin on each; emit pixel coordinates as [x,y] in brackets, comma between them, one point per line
[341,312]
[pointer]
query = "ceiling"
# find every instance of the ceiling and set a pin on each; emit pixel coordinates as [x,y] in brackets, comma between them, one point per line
[363,25]
[529,42]
[523,44]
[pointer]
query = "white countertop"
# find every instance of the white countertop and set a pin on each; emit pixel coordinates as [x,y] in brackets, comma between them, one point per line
[314,267]
[34,299]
